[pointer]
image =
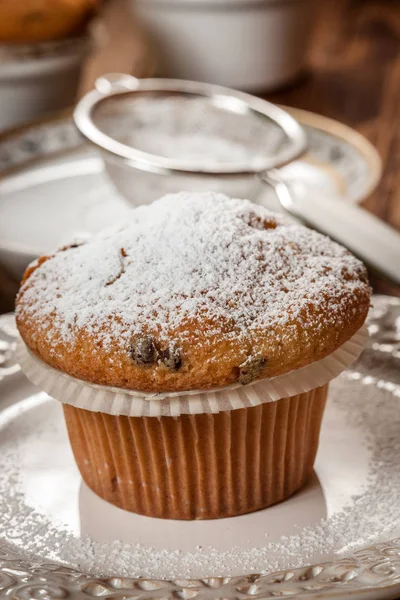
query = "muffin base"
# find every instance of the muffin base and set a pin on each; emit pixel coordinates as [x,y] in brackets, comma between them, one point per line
[202,466]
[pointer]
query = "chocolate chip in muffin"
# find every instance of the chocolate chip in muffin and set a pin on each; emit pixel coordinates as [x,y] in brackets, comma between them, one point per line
[251,369]
[144,351]
[171,358]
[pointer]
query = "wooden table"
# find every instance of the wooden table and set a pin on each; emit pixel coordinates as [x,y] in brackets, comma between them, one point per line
[354,77]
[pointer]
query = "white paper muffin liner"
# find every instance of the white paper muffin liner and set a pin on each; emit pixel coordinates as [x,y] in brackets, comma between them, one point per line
[131,403]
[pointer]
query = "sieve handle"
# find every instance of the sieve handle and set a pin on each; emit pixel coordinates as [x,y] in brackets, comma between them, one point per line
[369,238]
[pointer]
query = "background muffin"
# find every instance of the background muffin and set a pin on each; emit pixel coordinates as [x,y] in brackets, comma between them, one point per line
[29,21]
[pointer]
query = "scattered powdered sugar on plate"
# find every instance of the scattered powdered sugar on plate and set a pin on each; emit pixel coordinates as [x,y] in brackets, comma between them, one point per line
[370,516]
[196,257]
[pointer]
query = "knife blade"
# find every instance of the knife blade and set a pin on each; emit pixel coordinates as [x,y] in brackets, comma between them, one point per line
[370,239]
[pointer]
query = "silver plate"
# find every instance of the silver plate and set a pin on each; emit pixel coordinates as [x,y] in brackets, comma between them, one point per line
[52,184]
[371,572]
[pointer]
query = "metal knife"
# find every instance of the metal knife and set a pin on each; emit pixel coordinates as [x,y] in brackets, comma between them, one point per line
[369,238]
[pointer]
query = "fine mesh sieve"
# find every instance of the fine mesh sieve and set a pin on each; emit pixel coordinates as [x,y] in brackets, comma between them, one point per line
[159,136]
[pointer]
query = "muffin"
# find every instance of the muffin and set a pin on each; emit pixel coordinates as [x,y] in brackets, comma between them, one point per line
[195,293]
[43,20]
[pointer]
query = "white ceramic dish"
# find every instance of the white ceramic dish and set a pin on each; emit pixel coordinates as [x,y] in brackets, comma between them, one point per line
[47,515]
[53,186]
[251,45]
[38,79]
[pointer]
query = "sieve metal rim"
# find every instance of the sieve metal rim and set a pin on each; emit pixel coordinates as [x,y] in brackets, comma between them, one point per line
[114,85]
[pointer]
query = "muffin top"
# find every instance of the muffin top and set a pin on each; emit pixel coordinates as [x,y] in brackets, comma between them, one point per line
[194,291]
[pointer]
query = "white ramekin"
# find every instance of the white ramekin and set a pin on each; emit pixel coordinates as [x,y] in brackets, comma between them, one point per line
[37,79]
[253,45]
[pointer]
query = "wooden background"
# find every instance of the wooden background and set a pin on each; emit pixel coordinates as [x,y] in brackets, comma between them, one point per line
[354,76]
